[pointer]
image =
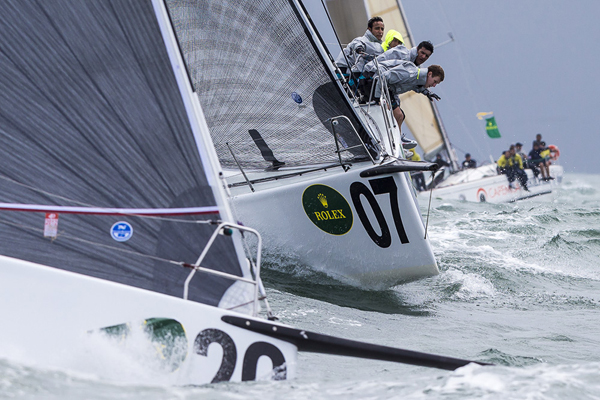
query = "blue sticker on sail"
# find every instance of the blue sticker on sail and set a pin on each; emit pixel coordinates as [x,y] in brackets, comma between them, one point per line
[121,231]
[297,98]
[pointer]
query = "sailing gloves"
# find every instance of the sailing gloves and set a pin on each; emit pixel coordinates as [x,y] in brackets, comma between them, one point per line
[361,50]
[431,96]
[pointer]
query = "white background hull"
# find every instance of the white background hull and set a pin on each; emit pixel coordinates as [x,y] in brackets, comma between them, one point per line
[48,314]
[494,189]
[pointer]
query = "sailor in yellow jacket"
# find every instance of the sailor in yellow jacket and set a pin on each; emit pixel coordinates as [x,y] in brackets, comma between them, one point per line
[545,151]
[392,39]
[511,164]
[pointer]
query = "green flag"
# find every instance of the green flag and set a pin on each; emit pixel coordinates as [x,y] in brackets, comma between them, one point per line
[491,128]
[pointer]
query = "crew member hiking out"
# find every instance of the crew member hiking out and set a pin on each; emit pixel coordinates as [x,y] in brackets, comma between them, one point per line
[362,47]
[406,77]
[389,59]
[418,55]
[392,39]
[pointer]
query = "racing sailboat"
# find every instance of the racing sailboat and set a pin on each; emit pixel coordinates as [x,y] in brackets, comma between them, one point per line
[117,240]
[322,178]
[486,184]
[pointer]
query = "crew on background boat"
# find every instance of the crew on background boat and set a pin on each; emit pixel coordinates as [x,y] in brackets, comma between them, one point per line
[440,161]
[417,177]
[526,163]
[519,151]
[501,162]
[536,161]
[367,46]
[545,152]
[469,162]
[511,164]
[439,177]
[538,138]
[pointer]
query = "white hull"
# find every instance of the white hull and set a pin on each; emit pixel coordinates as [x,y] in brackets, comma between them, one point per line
[484,185]
[279,211]
[53,318]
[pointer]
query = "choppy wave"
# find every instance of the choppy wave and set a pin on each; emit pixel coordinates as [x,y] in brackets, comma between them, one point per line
[533,380]
[519,287]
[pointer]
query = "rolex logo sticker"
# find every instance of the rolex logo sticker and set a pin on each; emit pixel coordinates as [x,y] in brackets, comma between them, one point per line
[327,209]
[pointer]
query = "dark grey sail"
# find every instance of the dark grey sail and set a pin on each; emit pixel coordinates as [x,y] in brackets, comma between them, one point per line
[255,68]
[91,116]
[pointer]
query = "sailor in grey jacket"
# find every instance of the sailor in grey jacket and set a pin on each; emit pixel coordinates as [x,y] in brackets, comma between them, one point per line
[367,44]
[418,55]
[406,76]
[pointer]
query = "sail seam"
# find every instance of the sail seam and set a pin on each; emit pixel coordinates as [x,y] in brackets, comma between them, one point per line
[109,211]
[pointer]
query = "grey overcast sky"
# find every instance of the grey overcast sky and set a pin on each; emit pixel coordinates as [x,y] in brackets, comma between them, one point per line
[534,63]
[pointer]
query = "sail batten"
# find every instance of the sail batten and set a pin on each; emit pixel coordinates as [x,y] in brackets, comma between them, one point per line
[109,211]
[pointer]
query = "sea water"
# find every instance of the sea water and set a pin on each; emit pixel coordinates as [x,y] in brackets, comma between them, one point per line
[519,287]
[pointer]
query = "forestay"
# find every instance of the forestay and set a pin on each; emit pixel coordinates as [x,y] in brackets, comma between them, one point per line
[256,68]
[91,117]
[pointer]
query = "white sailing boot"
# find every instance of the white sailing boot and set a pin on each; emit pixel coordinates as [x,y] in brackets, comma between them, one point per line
[408,143]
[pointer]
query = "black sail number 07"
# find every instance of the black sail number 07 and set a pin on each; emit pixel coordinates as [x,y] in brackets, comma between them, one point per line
[379,186]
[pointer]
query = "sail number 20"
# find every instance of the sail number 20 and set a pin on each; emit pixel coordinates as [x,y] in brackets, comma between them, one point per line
[378,186]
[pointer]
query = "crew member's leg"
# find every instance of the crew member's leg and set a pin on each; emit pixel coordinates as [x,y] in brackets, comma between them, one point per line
[522,175]
[547,167]
[510,175]
[399,116]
